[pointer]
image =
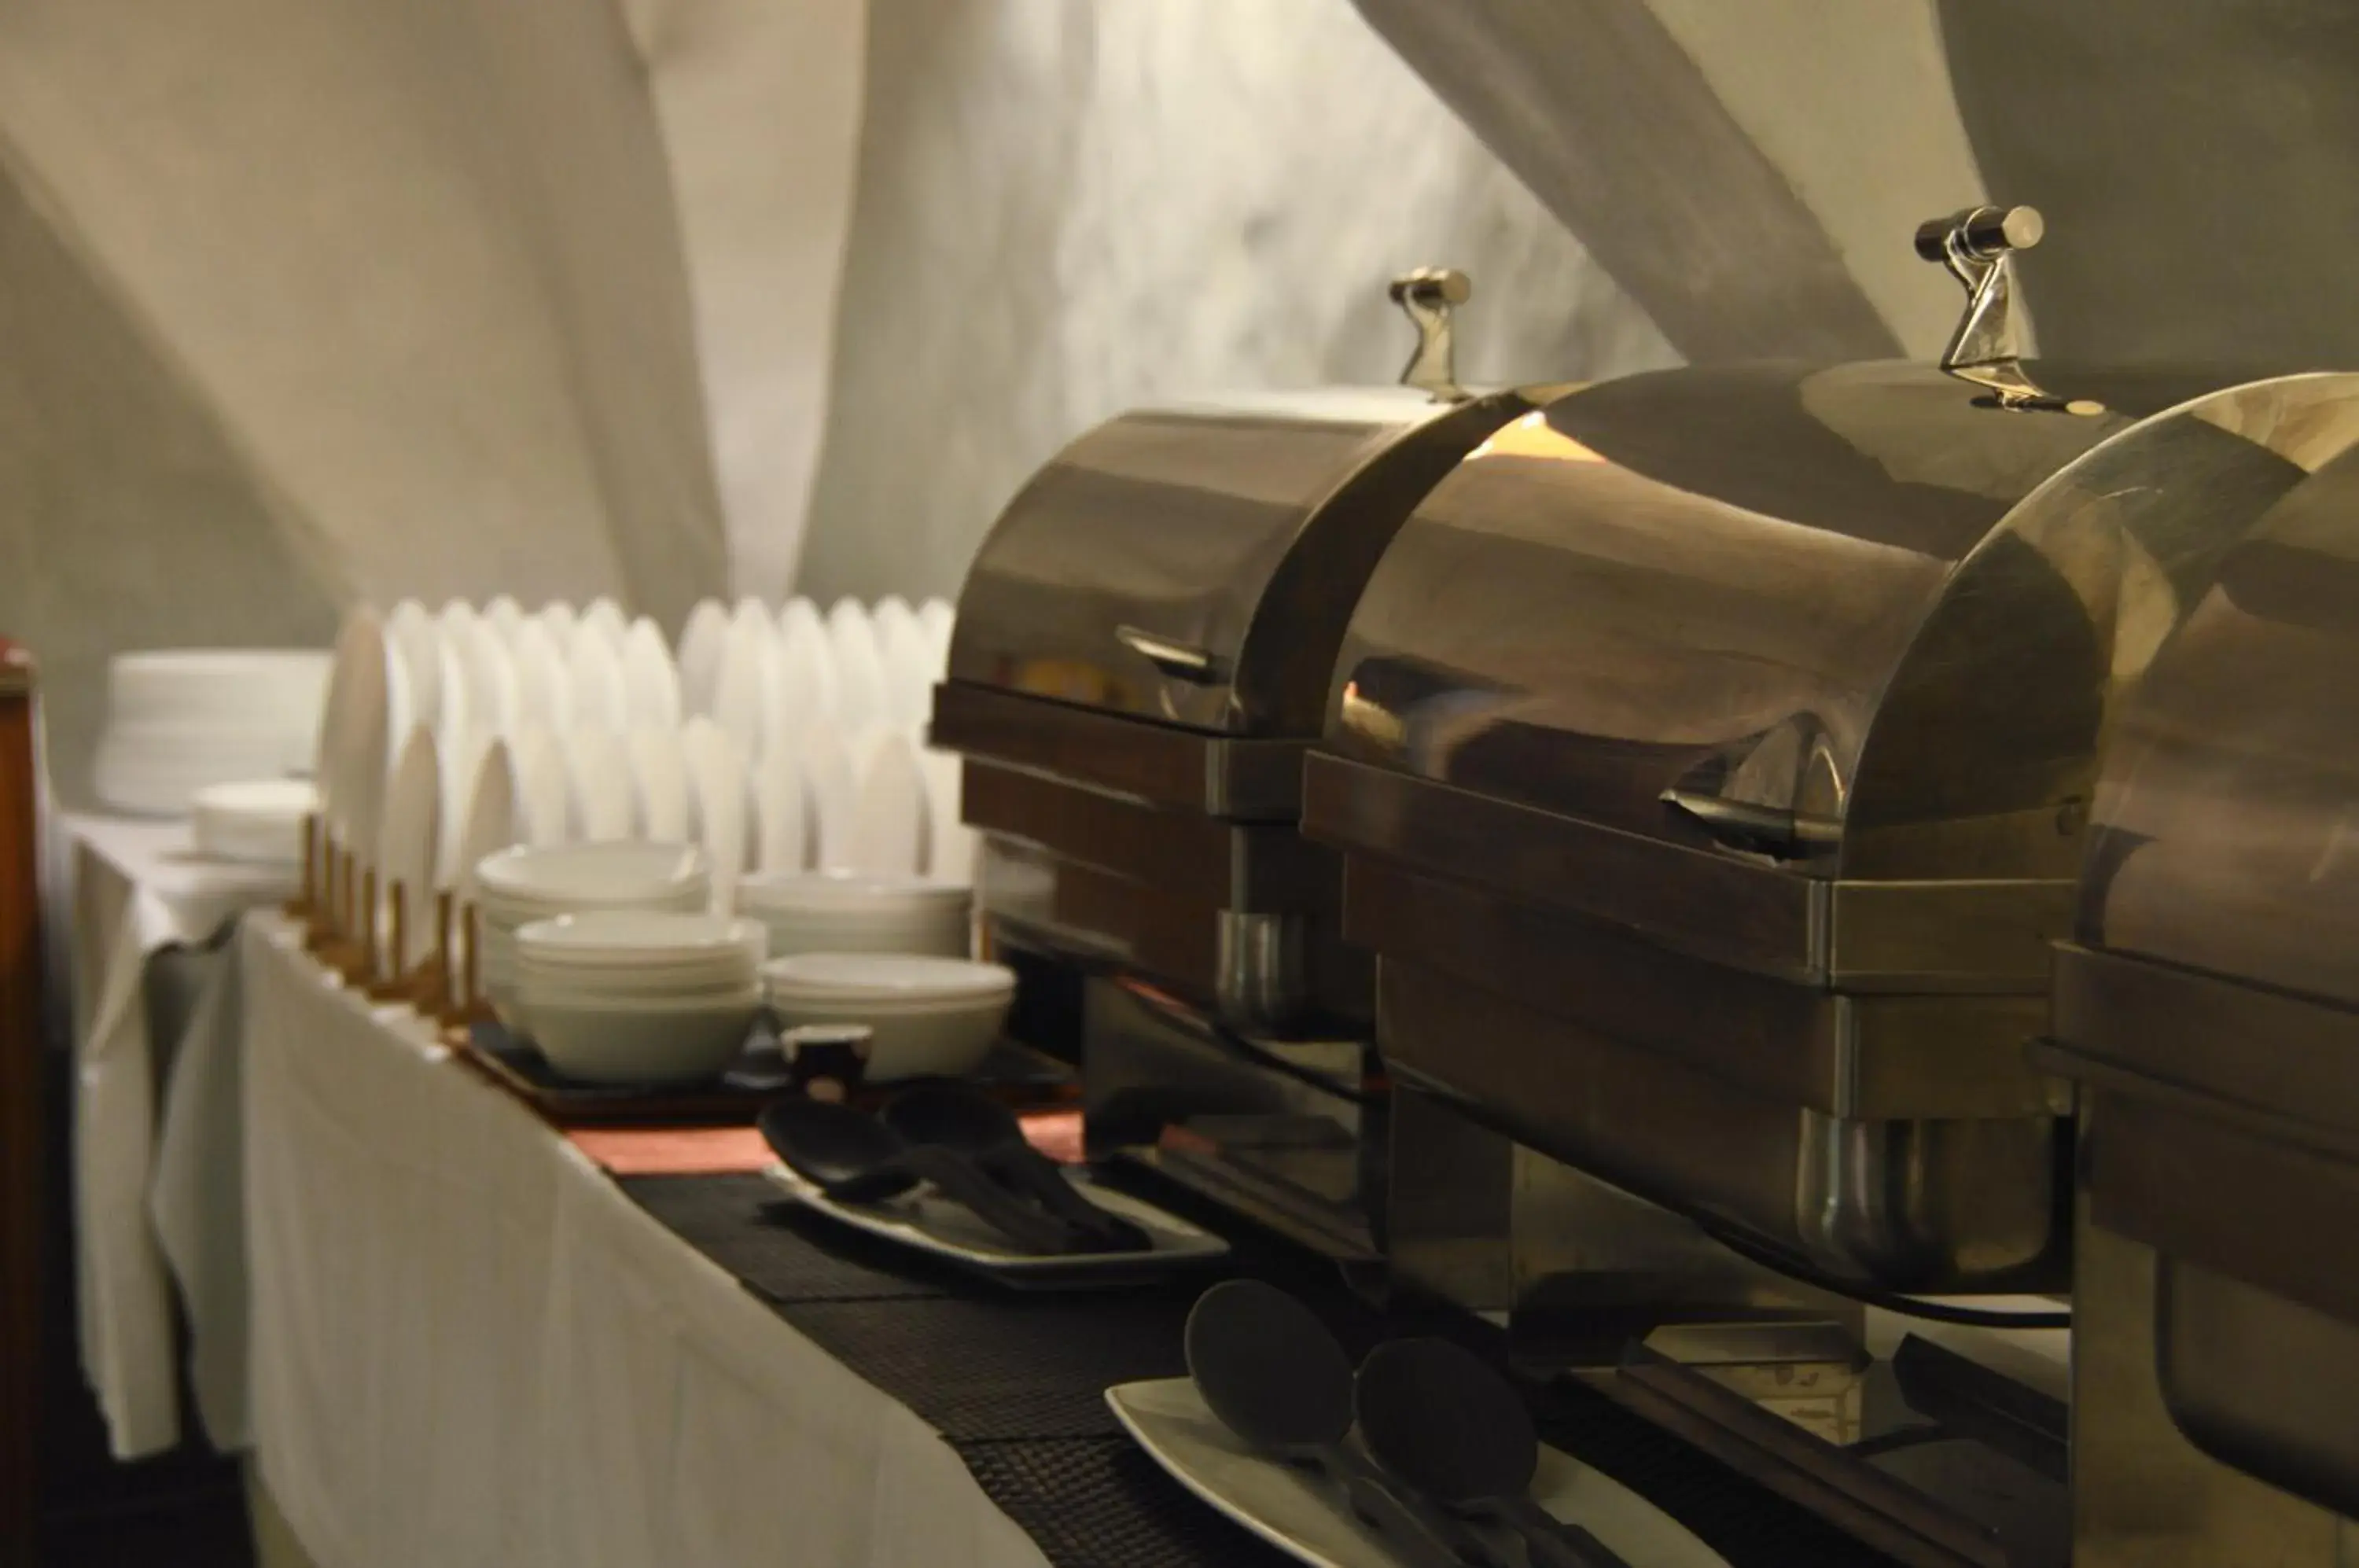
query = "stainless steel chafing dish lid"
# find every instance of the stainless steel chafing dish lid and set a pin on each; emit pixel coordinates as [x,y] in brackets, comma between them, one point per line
[1194,565]
[2209,1000]
[1675,648]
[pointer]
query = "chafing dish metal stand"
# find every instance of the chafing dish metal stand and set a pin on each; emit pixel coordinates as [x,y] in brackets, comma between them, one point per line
[1712,754]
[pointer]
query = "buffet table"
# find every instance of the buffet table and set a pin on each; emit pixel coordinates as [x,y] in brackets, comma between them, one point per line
[470,1343]
[475,1348]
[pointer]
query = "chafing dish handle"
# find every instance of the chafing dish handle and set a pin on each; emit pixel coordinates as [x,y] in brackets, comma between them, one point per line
[1179,660]
[1764,830]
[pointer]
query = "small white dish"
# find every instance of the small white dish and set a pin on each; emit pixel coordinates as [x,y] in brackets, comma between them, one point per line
[453,715]
[603,791]
[260,822]
[1303,1515]
[364,744]
[593,667]
[906,658]
[417,642]
[804,695]
[490,820]
[950,843]
[781,814]
[544,793]
[889,824]
[506,617]
[659,772]
[746,687]
[492,699]
[409,851]
[834,796]
[605,617]
[544,688]
[860,688]
[702,642]
[650,683]
[717,782]
[926,1222]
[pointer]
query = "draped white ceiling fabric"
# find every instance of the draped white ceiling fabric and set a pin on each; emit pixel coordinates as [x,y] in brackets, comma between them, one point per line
[1068,208]
[312,301]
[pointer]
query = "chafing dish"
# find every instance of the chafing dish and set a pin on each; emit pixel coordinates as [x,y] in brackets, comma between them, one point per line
[1143,652]
[2209,1005]
[1712,755]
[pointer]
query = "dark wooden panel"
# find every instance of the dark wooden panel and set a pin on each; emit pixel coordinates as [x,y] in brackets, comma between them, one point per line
[20,1116]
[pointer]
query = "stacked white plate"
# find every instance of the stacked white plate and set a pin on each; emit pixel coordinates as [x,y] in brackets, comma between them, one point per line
[850,911]
[520,885]
[181,721]
[260,821]
[929,1017]
[638,995]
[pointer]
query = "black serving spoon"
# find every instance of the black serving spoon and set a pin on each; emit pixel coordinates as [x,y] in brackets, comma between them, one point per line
[1435,1415]
[988,1133]
[853,1158]
[1275,1377]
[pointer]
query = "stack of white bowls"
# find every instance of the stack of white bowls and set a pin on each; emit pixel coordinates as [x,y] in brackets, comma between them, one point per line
[180,721]
[929,1017]
[520,885]
[853,911]
[637,995]
[260,821]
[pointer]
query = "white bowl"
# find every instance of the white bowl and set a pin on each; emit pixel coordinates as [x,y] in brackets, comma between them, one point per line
[610,939]
[526,881]
[935,937]
[848,893]
[886,977]
[642,1043]
[947,1040]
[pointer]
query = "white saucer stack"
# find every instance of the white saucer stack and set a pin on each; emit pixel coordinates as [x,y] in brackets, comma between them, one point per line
[927,1016]
[851,912]
[637,995]
[182,720]
[525,884]
[261,822]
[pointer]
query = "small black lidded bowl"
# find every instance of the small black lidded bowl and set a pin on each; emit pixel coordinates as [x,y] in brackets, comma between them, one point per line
[826,1062]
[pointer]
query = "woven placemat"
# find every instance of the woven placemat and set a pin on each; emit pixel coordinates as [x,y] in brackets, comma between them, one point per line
[1100,1502]
[781,1253]
[1015,1383]
[1001,1367]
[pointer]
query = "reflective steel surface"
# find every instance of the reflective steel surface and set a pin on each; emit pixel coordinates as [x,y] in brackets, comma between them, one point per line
[2227,832]
[2211,1001]
[1195,565]
[1880,612]
[1745,722]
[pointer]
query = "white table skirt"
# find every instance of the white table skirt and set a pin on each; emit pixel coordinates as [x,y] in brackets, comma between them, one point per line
[137,888]
[470,1347]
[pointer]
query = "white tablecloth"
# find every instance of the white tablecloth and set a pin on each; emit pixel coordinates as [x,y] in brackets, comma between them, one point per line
[137,887]
[470,1347]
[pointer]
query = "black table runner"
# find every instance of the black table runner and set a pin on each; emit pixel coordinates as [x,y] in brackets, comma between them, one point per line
[1015,1383]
